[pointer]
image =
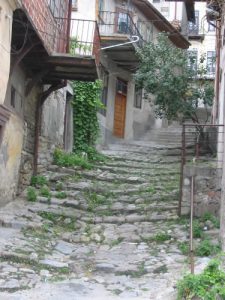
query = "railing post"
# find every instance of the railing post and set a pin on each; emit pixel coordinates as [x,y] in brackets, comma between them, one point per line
[191,227]
[183,161]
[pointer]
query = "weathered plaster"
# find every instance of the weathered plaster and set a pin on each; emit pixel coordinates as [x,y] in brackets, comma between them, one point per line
[6,13]
[10,155]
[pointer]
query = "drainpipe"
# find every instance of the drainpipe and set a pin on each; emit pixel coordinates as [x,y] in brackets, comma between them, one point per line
[217,83]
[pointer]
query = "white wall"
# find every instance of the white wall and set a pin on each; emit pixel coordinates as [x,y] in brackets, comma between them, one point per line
[6,13]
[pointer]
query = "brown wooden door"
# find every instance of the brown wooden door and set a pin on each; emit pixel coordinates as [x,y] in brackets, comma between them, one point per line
[120,115]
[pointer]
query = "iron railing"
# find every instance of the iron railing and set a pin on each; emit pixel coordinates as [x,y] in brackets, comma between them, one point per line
[118,23]
[202,145]
[83,39]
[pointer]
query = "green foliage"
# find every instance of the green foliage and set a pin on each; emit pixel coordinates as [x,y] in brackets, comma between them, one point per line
[208,285]
[86,104]
[38,180]
[61,195]
[169,74]
[207,248]
[76,45]
[94,200]
[70,159]
[59,186]
[31,194]
[45,192]
[197,229]
[184,247]
[210,217]
[161,237]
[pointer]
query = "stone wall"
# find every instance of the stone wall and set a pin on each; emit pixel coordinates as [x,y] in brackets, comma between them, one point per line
[52,128]
[207,190]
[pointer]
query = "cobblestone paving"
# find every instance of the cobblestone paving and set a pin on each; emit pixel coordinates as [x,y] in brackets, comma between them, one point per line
[107,233]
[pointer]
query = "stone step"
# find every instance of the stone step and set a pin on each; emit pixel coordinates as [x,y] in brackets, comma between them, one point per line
[112,208]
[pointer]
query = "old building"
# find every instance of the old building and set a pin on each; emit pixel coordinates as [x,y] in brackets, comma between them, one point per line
[124,26]
[36,63]
[200,33]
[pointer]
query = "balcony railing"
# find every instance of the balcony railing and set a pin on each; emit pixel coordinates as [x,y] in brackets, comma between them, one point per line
[118,23]
[83,37]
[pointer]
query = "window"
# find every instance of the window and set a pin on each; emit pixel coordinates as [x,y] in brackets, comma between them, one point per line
[193,28]
[104,75]
[121,87]
[138,98]
[211,62]
[165,11]
[57,8]
[13,97]
[101,5]
[212,26]
[193,59]
[74,5]
[123,22]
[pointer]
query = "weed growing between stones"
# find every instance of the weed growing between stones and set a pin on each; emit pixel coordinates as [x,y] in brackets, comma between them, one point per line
[59,186]
[70,160]
[60,222]
[141,271]
[207,248]
[61,195]
[45,192]
[208,285]
[31,194]
[39,181]
[116,242]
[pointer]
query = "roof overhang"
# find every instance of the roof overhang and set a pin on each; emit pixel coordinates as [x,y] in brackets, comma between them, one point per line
[161,23]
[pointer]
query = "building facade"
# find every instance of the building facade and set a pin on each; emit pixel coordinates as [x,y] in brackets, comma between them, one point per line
[35,114]
[128,114]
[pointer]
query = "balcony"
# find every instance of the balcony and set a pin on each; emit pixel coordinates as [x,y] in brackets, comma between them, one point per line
[75,48]
[119,28]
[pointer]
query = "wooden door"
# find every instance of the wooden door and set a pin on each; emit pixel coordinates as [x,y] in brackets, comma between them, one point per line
[120,110]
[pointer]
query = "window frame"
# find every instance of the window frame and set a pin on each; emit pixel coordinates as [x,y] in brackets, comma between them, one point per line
[211,62]
[193,66]
[193,28]
[138,97]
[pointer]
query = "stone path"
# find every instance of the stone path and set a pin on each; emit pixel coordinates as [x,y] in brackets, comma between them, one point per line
[107,233]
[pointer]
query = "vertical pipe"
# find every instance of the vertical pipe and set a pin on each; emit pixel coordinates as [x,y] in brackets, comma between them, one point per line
[217,83]
[183,160]
[191,227]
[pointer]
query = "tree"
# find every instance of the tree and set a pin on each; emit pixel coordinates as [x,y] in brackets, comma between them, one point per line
[174,79]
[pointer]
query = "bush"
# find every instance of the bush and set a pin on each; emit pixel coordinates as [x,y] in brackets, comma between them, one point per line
[208,285]
[70,160]
[206,248]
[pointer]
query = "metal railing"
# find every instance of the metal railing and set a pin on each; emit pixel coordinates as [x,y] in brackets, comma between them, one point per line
[118,23]
[84,38]
[202,146]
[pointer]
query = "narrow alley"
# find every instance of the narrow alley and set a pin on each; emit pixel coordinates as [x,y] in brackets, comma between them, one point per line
[109,232]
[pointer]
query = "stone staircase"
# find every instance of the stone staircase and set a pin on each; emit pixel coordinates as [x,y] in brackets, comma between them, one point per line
[171,136]
[113,231]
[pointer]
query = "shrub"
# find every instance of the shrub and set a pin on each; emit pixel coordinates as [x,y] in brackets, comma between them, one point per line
[70,159]
[45,192]
[208,285]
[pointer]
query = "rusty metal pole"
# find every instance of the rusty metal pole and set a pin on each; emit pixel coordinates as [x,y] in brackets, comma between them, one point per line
[191,227]
[183,161]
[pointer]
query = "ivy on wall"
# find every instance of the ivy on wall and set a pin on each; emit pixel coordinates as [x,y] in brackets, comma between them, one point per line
[86,104]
